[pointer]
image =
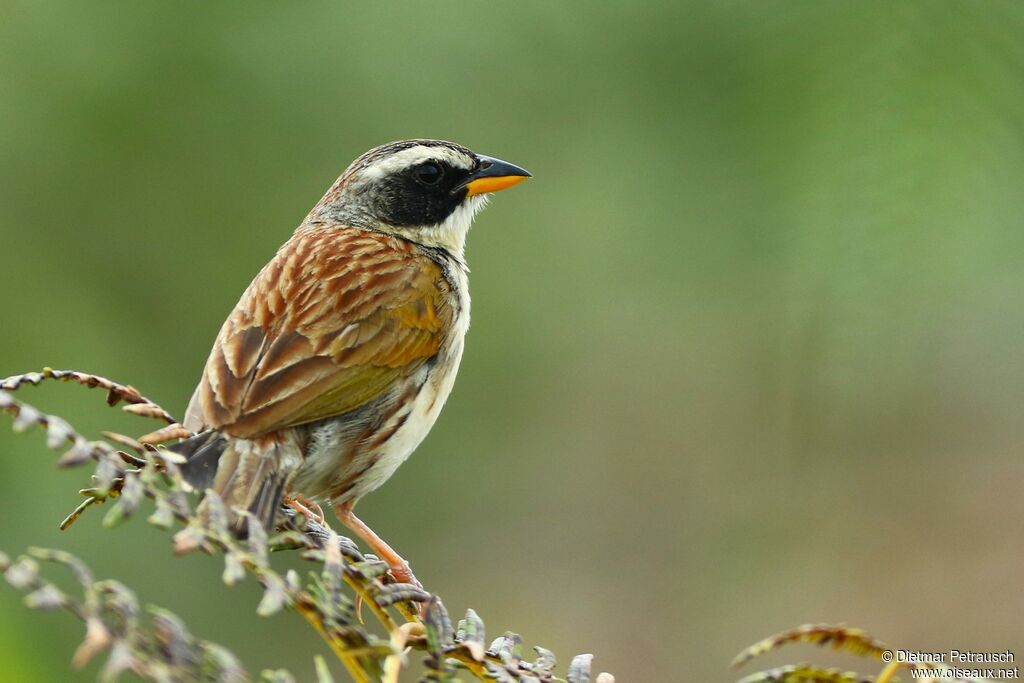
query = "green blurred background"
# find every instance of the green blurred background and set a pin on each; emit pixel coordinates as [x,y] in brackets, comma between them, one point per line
[746,352]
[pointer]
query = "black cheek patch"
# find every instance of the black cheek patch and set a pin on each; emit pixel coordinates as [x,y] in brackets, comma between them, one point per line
[403,202]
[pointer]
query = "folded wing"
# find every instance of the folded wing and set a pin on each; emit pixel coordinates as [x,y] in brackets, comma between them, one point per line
[338,318]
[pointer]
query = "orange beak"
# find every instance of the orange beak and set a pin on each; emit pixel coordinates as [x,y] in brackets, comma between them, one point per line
[493,175]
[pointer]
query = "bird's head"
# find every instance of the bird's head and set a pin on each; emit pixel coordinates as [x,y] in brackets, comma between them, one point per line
[427,191]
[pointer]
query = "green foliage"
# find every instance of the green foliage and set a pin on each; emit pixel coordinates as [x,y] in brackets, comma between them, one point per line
[156,645]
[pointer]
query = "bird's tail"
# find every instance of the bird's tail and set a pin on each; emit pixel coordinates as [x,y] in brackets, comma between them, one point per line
[247,474]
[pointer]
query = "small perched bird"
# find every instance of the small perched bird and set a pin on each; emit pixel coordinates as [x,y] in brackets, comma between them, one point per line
[337,359]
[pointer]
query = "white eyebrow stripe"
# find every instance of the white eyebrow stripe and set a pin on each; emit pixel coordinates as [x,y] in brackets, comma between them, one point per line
[407,158]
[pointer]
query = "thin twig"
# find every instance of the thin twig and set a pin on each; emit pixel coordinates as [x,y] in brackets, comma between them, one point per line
[116,391]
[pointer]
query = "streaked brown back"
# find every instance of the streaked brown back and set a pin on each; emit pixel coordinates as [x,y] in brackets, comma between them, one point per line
[336,319]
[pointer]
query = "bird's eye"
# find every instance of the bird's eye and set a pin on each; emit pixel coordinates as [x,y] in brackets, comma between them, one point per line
[428,174]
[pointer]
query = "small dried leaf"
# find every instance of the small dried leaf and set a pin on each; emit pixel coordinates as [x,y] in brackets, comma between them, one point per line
[77,454]
[132,492]
[579,669]
[471,635]
[188,539]
[26,418]
[123,440]
[47,596]
[438,625]
[133,460]
[166,457]
[476,650]
[173,636]
[120,660]
[58,432]
[288,540]
[471,627]
[257,539]
[128,502]
[506,648]
[274,597]
[401,592]
[227,667]
[22,573]
[292,581]
[234,571]
[348,548]
[370,569]
[119,599]
[163,435]
[163,515]
[114,516]
[147,410]
[216,514]
[545,662]
[106,472]
[77,512]
[333,552]
[97,638]
[499,673]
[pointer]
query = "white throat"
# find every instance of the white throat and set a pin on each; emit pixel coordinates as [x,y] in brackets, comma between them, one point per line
[450,233]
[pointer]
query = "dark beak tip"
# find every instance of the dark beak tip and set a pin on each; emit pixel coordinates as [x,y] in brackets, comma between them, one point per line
[489,167]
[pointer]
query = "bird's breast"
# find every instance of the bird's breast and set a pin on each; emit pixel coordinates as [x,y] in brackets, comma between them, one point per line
[351,455]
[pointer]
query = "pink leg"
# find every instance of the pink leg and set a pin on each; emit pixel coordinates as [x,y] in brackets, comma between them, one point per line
[399,567]
[305,507]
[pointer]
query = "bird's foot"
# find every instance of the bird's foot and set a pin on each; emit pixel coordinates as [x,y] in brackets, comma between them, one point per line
[399,567]
[305,507]
[403,573]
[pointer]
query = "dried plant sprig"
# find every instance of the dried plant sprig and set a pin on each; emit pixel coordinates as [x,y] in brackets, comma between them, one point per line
[838,636]
[58,432]
[805,673]
[109,460]
[116,392]
[328,599]
[160,648]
